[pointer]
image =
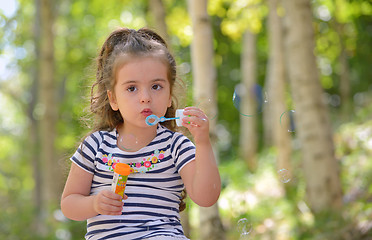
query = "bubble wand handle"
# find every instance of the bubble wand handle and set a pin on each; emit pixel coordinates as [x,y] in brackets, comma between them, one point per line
[162,119]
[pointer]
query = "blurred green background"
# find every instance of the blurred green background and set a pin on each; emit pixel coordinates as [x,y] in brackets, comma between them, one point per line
[273,208]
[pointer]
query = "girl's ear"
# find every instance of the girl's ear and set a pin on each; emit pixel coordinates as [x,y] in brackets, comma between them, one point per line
[112,99]
[170,101]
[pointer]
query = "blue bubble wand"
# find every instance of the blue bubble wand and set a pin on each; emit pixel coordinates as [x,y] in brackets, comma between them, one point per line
[153,119]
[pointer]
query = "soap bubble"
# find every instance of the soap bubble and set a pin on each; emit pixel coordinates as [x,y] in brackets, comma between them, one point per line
[255,96]
[128,142]
[288,117]
[244,227]
[63,234]
[284,175]
[58,215]
[206,105]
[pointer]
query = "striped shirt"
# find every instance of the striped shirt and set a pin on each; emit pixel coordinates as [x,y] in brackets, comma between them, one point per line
[153,189]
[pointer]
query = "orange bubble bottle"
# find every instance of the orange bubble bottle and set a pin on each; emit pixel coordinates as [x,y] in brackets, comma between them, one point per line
[119,181]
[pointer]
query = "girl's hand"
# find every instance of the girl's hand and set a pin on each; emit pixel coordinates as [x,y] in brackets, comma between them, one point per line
[197,123]
[108,203]
[201,177]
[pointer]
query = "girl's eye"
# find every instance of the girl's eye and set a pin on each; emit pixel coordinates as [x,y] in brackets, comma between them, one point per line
[156,87]
[131,89]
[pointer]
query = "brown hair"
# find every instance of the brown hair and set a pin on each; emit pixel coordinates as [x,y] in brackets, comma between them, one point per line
[121,45]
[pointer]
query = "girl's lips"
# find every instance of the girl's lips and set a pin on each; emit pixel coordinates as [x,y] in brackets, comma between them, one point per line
[146,112]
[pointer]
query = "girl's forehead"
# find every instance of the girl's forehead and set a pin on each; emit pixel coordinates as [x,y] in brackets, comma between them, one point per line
[138,60]
[142,63]
[141,69]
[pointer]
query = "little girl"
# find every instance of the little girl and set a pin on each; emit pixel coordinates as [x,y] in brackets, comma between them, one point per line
[135,78]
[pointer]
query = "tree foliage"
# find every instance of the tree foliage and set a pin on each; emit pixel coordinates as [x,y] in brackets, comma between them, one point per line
[80,28]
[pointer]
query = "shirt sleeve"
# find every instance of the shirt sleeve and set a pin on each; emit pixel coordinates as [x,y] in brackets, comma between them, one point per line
[85,155]
[183,151]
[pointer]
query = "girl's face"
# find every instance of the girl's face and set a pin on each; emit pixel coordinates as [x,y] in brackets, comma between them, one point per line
[142,88]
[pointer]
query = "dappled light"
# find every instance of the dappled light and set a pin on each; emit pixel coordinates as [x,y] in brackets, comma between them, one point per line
[285,88]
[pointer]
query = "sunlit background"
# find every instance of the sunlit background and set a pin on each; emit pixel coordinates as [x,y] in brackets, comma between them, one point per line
[260,202]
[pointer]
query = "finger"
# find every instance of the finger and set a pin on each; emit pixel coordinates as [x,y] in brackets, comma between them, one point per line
[112,195]
[189,124]
[108,204]
[114,213]
[112,207]
[195,121]
[195,116]
[190,107]
[125,197]
[116,203]
[193,111]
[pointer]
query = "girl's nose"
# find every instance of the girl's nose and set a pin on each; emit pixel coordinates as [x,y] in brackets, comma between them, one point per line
[145,97]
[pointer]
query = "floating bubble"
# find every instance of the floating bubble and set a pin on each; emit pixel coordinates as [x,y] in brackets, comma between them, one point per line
[63,234]
[206,105]
[128,142]
[184,68]
[58,215]
[287,120]
[284,175]
[244,237]
[244,227]
[255,96]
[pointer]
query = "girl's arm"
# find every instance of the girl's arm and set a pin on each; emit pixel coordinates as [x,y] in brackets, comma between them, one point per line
[201,177]
[77,203]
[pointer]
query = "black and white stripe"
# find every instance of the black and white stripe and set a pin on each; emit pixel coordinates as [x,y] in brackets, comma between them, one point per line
[153,196]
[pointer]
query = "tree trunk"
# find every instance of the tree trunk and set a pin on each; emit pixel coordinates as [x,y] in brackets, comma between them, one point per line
[321,170]
[34,136]
[204,75]
[51,177]
[344,81]
[344,72]
[248,118]
[276,88]
[158,14]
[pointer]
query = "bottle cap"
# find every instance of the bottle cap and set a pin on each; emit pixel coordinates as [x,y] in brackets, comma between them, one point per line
[122,169]
[179,116]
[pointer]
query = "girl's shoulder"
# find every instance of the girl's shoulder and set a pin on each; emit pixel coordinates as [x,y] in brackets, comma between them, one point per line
[100,135]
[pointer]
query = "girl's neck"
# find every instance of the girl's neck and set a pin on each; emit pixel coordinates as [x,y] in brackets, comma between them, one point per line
[132,139]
